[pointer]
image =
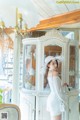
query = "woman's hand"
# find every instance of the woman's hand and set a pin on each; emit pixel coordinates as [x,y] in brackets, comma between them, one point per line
[65,84]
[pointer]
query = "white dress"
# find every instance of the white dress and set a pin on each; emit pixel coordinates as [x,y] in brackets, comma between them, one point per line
[55,97]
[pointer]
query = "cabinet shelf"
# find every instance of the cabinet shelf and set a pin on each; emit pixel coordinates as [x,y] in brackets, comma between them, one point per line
[8,67]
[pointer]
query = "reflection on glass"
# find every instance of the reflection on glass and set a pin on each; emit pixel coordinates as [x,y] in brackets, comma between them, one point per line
[72,66]
[52,50]
[30,66]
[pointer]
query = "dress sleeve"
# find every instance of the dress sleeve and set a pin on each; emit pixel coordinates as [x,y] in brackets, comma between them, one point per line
[58,88]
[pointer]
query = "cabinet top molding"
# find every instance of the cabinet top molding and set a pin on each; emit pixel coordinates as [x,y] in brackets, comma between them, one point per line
[53,35]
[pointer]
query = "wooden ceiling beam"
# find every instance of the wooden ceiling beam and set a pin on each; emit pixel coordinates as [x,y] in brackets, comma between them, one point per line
[59,20]
[64,16]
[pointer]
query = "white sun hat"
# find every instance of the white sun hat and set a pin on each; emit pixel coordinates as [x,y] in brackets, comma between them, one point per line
[48,59]
[59,58]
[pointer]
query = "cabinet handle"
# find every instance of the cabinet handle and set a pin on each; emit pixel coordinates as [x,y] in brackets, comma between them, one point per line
[69,110]
[39,111]
[33,110]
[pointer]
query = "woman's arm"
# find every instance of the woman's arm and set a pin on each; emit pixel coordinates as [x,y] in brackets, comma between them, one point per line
[58,88]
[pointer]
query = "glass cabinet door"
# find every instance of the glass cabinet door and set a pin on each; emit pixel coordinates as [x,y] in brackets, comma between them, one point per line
[29,76]
[72,66]
[52,50]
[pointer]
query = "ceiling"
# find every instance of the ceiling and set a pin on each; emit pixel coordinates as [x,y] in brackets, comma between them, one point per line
[34,10]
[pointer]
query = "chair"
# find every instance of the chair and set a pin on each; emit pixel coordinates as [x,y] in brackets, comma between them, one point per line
[9,112]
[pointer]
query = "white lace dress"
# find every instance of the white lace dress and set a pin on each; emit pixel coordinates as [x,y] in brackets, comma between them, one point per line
[55,97]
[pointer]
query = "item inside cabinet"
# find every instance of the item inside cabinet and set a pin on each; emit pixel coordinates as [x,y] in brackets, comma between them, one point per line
[72,81]
[72,66]
[30,67]
[72,58]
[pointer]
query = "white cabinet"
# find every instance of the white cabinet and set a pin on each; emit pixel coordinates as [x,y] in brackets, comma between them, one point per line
[27,105]
[73,105]
[33,106]
[35,89]
[42,114]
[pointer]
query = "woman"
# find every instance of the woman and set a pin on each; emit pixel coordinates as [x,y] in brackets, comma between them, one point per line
[56,97]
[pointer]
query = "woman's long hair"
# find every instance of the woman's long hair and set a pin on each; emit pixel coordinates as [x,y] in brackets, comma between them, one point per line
[46,73]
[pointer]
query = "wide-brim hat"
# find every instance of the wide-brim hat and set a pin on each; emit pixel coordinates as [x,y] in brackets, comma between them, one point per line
[59,58]
[48,59]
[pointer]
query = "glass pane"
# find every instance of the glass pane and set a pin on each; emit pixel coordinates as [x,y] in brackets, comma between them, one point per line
[30,66]
[52,50]
[72,66]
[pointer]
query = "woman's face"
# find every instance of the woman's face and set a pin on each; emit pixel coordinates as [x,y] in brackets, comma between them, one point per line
[52,65]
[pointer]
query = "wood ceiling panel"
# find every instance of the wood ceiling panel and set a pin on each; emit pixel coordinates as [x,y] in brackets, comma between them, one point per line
[48,8]
[43,8]
[77,6]
[62,8]
[52,4]
[70,7]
